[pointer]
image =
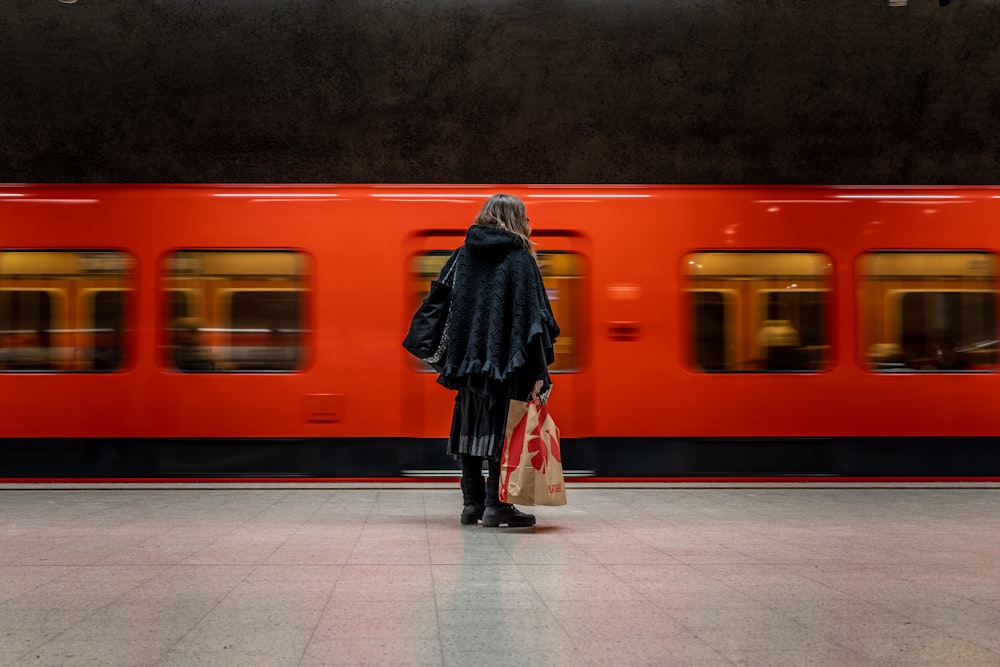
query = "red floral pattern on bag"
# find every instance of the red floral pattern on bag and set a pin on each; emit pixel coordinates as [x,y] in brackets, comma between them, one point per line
[538,437]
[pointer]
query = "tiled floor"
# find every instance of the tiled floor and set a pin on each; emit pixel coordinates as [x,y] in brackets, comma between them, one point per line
[385,575]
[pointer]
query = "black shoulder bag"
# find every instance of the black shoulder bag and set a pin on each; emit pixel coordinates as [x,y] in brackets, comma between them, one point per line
[427,338]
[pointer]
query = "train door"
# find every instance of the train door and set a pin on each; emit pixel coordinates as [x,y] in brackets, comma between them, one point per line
[428,406]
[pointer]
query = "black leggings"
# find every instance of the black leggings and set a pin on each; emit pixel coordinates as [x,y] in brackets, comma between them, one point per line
[472,466]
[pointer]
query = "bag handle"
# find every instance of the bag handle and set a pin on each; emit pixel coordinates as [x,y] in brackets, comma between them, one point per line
[539,397]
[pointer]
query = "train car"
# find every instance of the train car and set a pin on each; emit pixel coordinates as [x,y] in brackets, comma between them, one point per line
[708,333]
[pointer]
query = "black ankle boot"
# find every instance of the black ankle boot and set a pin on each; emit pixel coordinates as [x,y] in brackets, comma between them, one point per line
[505,513]
[497,513]
[473,499]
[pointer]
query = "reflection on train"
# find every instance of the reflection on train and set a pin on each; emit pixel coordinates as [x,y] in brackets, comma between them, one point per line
[234,331]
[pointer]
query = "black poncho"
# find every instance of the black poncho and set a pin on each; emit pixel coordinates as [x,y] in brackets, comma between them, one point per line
[499,309]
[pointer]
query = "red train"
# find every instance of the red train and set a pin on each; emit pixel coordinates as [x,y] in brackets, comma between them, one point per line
[165,332]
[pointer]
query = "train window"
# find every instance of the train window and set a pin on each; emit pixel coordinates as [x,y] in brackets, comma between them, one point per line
[758,311]
[562,273]
[64,310]
[928,311]
[235,311]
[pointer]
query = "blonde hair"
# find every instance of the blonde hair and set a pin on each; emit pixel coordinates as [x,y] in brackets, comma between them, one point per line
[507,212]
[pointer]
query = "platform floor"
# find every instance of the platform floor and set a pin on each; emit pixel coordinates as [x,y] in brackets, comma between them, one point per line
[385,575]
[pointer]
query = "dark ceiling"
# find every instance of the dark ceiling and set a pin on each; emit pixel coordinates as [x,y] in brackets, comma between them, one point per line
[481,91]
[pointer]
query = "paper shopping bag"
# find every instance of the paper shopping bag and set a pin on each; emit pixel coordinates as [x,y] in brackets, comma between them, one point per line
[531,470]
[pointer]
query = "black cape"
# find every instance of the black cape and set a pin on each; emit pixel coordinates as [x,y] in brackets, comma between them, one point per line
[500,322]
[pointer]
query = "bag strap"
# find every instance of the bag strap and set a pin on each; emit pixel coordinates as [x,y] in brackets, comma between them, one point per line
[451,270]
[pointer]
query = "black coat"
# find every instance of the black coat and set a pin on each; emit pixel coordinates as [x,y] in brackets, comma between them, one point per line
[500,324]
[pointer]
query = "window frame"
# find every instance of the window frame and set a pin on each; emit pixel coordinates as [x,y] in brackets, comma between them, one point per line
[68,299]
[221,301]
[750,302]
[890,310]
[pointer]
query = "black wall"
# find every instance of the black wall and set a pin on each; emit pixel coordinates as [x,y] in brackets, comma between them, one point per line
[601,91]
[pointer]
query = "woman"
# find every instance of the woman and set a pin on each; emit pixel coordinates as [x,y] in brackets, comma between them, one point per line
[500,343]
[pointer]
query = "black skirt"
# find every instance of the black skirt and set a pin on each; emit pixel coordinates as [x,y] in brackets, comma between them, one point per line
[479,422]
